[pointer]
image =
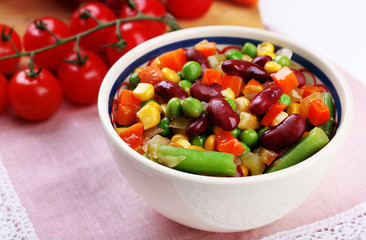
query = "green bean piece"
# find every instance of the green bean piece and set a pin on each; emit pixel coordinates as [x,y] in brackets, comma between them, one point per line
[285,99]
[262,130]
[328,127]
[185,84]
[304,148]
[165,126]
[236,132]
[249,49]
[174,108]
[191,71]
[232,103]
[199,140]
[146,102]
[134,80]
[193,161]
[192,107]
[247,149]
[234,54]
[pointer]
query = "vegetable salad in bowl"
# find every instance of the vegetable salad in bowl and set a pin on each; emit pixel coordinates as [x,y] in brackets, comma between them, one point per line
[235,110]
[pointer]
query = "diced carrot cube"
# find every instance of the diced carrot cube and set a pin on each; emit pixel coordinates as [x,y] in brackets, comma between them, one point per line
[211,76]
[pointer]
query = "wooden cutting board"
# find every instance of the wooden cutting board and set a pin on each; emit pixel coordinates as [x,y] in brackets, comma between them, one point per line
[19,13]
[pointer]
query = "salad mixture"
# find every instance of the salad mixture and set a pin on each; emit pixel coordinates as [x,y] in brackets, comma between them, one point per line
[237,111]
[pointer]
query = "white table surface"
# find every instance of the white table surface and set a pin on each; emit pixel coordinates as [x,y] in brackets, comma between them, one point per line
[334,28]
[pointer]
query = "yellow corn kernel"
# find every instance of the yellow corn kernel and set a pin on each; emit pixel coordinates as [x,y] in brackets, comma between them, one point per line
[272,66]
[210,143]
[156,62]
[144,91]
[120,130]
[228,93]
[266,48]
[248,120]
[242,104]
[137,69]
[170,75]
[245,170]
[194,147]
[294,108]
[155,104]
[185,143]
[178,136]
[279,118]
[252,90]
[149,116]
[247,58]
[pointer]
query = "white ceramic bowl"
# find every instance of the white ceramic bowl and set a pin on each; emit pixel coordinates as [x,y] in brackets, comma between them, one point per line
[215,203]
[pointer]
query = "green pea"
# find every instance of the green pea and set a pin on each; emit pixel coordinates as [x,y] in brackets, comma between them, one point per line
[285,99]
[234,54]
[260,132]
[146,102]
[191,71]
[249,49]
[185,84]
[199,140]
[134,80]
[236,132]
[192,107]
[232,103]
[249,137]
[283,61]
[165,126]
[247,149]
[174,108]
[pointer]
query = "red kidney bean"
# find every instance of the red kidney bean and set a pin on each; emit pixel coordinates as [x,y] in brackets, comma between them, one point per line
[198,126]
[168,89]
[244,69]
[197,56]
[261,60]
[286,133]
[205,92]
[222,114]
[265,99]
[300,77]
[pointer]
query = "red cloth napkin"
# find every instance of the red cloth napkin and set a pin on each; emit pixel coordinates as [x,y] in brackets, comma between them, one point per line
[71,188]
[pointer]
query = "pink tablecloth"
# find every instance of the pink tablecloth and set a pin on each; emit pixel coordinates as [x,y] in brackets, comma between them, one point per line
[71,188]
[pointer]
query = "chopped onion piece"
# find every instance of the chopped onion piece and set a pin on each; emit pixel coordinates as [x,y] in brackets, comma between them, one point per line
[170,161]
[156,139]
[180,122]
[284,52]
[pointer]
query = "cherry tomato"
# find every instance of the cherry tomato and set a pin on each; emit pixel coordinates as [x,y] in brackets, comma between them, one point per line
[134,33]
[36,37]
[34,98]
[3,93]
[6,49]
[189,9]
[80,23]
[148,7]
[80,83]
[247,2]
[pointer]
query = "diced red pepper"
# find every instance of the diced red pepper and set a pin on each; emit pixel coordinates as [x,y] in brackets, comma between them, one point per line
[128,99]
[272,113]
[174,60]
[133,135]
[151,74]
[211,76]
[286,79]
[318,112]
[234,82]
[126,115]
[226,142]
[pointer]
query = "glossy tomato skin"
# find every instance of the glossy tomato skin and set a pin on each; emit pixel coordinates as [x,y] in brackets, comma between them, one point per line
[36,98]
[93,41]
[6,49]
[3,93]
[81,84]
[247,2]
[35,38]
[148,7]
[134,33]
[188,9]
